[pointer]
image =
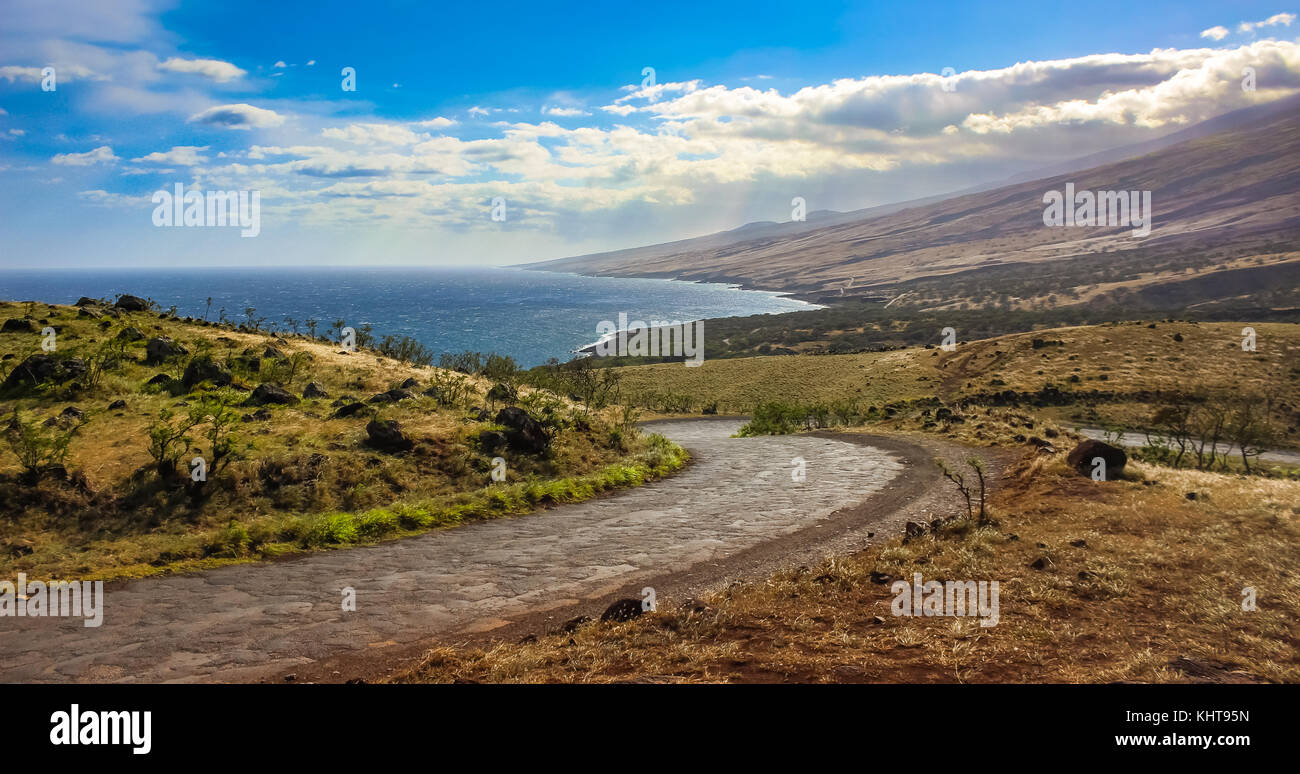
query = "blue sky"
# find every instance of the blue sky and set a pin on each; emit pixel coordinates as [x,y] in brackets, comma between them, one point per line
[546,106]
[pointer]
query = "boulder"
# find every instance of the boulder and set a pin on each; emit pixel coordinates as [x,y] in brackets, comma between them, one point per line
[350,409]
[41,368]
[269,393]
[623,610]
[491,441]
[117,404]
[158,380]
[1081,458]
[392,396]
[410,384]
[18,325]
[387,436]
[314,390]
[523,432]
[131,333]
[87,301]
[159,349]
[271,353]
[132,304]
[203,369]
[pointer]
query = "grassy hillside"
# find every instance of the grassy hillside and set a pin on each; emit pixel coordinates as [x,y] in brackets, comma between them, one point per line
[98,441]
[1098,374]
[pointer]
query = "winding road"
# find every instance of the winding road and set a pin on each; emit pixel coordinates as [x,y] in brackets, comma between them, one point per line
[247,622]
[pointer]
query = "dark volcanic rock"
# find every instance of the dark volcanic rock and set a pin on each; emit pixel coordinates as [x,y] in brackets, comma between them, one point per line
[392,396]
[131,333]
[18,325]
[622,610]
[271,353]
[41,368]
[387,436]
[158,379]
[203,369]
[117,404]
[410,384]
[132,304]
[270,393]
[314,390]
[350,409]
[1081,458]
[523,432]
[159,349]
[87,301]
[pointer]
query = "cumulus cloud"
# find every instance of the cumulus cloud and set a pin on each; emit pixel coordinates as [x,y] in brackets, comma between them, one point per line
[182,155]
[215,69]
[238,116]
[1215,33]
[436,123]
[101,155]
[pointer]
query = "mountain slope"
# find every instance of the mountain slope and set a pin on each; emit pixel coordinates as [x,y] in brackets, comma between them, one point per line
[1225,201]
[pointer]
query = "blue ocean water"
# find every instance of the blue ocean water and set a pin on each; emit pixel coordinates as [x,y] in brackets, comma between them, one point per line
[529,315]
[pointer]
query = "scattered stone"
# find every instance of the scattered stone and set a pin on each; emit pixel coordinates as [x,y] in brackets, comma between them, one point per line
[877,620]
[132,304]
[410,384]
[523,432]
[623,610]
[350,409]
[314,390]
[271,353]
[387,436]
[881,578]
[41,368]
[203,369]
[492,440]
[158,380]
[1080,543]
[130,333]
[18,325]
[1081,458]
[912,530]
[157,350]
[87,301]
[571,625]
[392,396]
[269,393]
[117,404]
[1041,563]
[261,415]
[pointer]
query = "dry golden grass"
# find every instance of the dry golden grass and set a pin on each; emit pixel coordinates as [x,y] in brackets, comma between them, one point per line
[1158,578]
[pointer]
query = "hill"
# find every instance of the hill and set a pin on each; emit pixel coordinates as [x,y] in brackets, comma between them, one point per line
[1226,225]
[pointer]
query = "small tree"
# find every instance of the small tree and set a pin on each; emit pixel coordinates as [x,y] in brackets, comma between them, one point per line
[168,440]
[37,446]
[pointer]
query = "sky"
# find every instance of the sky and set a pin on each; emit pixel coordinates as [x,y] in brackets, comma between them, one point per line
[598,125]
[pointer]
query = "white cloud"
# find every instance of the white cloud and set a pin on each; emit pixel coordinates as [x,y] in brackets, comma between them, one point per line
[436,123]
[183,155]
[215,69]
[1215,33]
[238,116]
[280,64]
[564,112]
[101,155]
[373,134]
[1277,19]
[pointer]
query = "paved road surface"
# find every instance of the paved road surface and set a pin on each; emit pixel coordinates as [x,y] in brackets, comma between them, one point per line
[242,622]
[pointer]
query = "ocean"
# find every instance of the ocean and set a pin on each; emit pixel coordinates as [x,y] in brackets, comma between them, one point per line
[531,316]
